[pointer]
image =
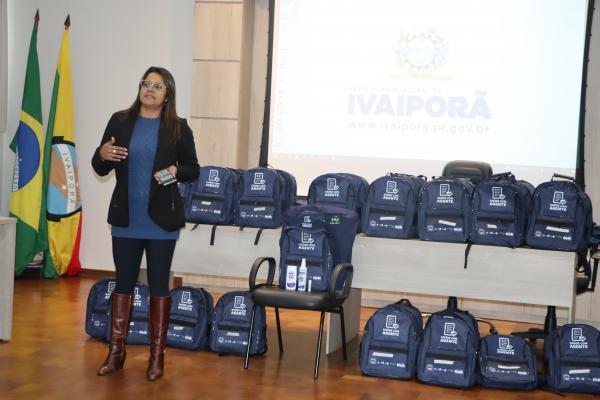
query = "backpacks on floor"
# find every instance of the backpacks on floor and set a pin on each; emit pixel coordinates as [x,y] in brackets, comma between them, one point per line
[98,308]
[190,319]
[507,362]
[572,354]
[448,353]
[231,325]
[391,341]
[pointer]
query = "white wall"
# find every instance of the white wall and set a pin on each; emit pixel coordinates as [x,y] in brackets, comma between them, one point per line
[112,42]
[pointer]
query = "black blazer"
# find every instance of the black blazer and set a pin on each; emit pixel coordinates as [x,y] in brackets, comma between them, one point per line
[165,206]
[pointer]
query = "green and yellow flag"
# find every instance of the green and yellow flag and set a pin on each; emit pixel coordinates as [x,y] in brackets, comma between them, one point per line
[28,145]
[60,169]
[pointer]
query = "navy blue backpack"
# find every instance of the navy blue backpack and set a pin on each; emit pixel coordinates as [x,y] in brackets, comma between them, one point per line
[190,319]
[321,235]
[139,325]
[263,197]
[339,190]
[391,341]
[448,353]
[561,218]
[211,198]
[184,190]
[507,362]
[231,325]
[572,355]
[445,210]
[501,207]
[391,207]
[290,189]
[98,308]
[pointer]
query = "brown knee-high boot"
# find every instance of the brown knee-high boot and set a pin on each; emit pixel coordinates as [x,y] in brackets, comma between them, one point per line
[120,317]
[160,308]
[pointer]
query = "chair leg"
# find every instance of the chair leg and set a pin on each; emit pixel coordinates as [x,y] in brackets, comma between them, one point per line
[278,330]
[250,337]
[343,333]
[316,373]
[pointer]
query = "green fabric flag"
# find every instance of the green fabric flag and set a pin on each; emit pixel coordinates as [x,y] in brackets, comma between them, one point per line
[28,145]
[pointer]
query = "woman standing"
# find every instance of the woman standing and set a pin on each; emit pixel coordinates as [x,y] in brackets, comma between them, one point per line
[145,212]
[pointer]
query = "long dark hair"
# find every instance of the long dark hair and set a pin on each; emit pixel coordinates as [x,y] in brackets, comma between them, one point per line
[168,114]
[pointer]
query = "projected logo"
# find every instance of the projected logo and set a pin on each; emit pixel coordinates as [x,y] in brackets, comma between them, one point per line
[421,55]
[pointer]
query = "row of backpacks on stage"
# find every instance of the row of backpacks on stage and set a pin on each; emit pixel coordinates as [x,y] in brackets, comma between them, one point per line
[447,351]
[195,322]
[499,210]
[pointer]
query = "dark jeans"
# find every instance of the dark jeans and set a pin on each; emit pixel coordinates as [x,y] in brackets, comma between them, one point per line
[127,254]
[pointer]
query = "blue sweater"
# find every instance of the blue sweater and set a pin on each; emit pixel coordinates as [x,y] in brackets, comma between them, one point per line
[141,153]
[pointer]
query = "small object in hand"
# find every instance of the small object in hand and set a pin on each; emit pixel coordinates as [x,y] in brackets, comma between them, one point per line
[114,151]
[165,177]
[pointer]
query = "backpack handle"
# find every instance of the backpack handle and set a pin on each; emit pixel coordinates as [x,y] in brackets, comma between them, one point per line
[502,175]
[422,177]
[403,301]
[566,177]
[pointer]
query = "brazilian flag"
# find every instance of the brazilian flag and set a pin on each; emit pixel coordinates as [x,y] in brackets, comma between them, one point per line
[28,145]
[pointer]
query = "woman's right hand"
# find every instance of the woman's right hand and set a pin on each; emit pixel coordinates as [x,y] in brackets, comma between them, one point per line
[110,152]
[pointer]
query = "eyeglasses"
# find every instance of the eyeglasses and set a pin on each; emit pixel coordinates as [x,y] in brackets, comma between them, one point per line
[153,85]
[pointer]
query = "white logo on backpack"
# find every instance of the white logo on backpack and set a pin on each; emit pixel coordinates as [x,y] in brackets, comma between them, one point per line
[213,179]
[333,189]
[504,347]
[137,297]
[239,306]
[559,203]
[259,182]
[185,303]
[450,334]
[446,196]
[110,289]
[391,191]
[498,198]
[307,242]
[578,341]
[391,326]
